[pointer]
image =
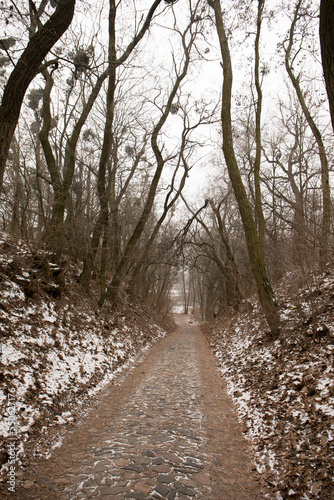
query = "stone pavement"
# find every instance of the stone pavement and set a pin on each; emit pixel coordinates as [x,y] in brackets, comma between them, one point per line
[169,432]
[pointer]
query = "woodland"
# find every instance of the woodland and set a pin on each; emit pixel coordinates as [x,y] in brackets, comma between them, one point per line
[170,142]
[163,156]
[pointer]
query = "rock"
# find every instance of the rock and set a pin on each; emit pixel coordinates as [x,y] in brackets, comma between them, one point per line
[134,467]
[121,462]
[162,490]
[112,490]
[165,479]
[149,454]
[142,488]
[184,490]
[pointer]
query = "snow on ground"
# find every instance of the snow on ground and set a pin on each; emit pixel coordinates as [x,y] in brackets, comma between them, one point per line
[284,390]
[57,350]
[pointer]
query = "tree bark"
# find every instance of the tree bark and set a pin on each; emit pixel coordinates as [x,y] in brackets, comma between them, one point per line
[170,201]
[234,294]
[25,71]
[52,233]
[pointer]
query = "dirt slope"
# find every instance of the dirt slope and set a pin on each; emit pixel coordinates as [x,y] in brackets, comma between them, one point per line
[57,349]
[284,390]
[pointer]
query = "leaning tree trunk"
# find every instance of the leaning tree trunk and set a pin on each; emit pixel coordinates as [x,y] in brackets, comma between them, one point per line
[25,71]
[255,249]
[327,49]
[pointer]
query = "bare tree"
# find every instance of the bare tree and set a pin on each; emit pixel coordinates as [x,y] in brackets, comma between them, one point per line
[187,39]
[326,200]
[210,240]
[25,70]
[186,151]
[255,249]
[113,64]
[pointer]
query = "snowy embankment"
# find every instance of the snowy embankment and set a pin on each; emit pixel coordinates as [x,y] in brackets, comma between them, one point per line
[284,390]
[56,353]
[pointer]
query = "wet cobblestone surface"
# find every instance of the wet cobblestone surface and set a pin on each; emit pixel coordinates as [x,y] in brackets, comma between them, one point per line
[156,443]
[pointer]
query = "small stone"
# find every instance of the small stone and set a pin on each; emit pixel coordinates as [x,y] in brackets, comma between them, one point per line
[112,490]
[142,488]
[171,495]
[105,490]
[138,495]
[89,482]
[184,490]
[171,456]
[194,464]
[162,490]
[127,474]
[162,469]
[99,468]
[122,483]
[141,460]
[149,454]
[158,461]
[165,479]
[121,462]
[187,482]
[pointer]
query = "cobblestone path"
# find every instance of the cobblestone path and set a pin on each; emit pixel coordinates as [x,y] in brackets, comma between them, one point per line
[166,432]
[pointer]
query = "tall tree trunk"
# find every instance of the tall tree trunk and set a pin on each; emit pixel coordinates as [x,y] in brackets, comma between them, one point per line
[169,203]
[15,223]
[25,71]
[327,49]
[102,220]
[255,249]
[258,112]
